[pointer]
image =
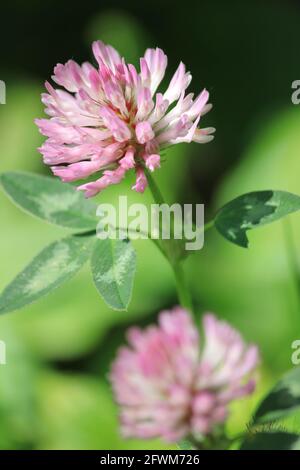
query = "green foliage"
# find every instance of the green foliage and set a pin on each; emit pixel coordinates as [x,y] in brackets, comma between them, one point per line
[50,199]
[113,261]
[54,265]
[19,135]
[272,441]
[268,427]
[120,29]
[283,399]
[113,266]
[185,444]
[17,391]
[253,210]
[77,412]
[255,289]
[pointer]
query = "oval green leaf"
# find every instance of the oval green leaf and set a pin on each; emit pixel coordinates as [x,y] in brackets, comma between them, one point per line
[253,210]
[54,265]
[113,266]
[50,199]
[282,400]
[271,441]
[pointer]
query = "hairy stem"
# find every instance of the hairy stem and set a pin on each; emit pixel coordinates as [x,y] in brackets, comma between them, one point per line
[157,195]
[181,286]
[183,292]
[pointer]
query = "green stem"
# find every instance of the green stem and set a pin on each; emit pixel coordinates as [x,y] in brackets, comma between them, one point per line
[209,225]
[292,257]
[181,286]
[157,195]
[183,292]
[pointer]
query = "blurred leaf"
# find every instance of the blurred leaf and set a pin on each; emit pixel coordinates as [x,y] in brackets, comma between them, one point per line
[17,392]
[19,135]
[272,441]
[51,267]
[120,29]
[113,266]
[62,331]
[55,328]
[185,444]
[253,210]
[78,412]
[283,399]
[255,289]
[50,199]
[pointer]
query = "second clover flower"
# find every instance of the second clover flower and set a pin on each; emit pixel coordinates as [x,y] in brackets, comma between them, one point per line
[111,118]
[172,384]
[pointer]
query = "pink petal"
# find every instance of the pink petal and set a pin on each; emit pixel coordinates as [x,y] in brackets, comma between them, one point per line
[157,63]
[141,181]
[144,132]
[127,161]
[108,178]
[178,84]
[152,161]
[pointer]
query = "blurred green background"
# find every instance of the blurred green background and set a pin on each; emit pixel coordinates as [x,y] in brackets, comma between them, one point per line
[54,392]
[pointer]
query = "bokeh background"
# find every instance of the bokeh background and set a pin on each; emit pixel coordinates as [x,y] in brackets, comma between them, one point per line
[54,392]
